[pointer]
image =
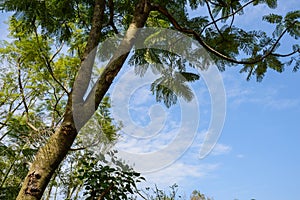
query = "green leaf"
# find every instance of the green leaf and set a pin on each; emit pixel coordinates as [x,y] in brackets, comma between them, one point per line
[270,3]
[273,18]
[187,76]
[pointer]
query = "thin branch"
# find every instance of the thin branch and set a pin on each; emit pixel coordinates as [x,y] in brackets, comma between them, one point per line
[48,62]
[225,17]
[286,55]
[21,86]
[209,48]
[57,99]
[157,192]
[11,109]
[212,18]
[23,96]
[31,126]
[48,66]
[249,74]
[56,103]
[3,124]
[8,171]
[57,52]
[59,121]
[11,166]
[232,20]
[5,134]
[111,16]
[83,148]
[78,149]
[105,191]
[140,194]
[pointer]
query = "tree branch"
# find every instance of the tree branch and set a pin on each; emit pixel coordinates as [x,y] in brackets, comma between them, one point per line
[23,96]
[3,124]
[85,71]
[86,110]
[209,48]
[57,52]
[111,16]
[140,194]
[286,55]
[48,62]
[225,17]
[212,18]
[101,197]
[49,68]
[5,134]
[232,20]
[82,148]
[21,86]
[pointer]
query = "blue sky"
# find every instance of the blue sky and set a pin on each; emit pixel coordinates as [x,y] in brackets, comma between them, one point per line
[257,154]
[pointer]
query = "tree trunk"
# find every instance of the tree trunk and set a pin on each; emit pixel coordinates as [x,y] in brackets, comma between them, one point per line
[51,155]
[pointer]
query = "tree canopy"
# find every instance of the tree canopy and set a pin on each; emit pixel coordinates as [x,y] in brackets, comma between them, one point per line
[47,104]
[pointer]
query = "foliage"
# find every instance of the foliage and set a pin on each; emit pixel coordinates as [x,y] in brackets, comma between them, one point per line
[157,194]
[32,105]
[196,195]
[20,144]
[172,194]
[101,181]
[49,43]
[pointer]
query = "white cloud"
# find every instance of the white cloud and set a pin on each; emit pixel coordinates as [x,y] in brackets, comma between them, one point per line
[142,95]
[157,152]
[267,97]
[269,101]
[179,172]
[281,104]
[210,146]
[221,149]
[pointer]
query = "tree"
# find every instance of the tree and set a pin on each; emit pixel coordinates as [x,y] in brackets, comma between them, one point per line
[196,195]
[172,194]
[156,193]
[81,25]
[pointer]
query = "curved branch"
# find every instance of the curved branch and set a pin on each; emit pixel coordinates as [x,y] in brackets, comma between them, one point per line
[225,17]
[209,48]
[286,55]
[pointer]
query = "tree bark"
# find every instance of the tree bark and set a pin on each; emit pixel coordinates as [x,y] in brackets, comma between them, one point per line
[51,155]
